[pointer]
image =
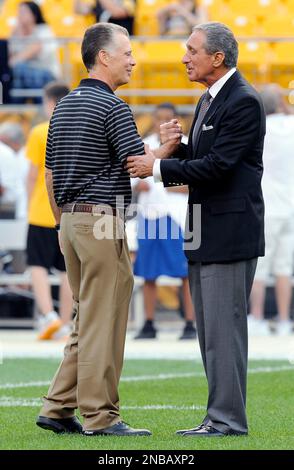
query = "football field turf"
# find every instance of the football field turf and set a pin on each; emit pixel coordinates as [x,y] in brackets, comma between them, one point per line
[161,395]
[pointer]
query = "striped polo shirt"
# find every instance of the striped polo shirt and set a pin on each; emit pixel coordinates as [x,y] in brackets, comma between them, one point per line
[91,133]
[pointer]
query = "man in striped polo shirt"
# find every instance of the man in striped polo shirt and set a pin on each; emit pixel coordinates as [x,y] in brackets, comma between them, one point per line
[91,134]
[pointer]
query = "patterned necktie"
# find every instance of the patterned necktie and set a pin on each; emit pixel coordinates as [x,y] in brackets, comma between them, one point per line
[206,102]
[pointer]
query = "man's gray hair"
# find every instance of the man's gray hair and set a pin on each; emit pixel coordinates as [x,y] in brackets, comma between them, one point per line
[12,132]
[100,36]
[220,38]
[271,99]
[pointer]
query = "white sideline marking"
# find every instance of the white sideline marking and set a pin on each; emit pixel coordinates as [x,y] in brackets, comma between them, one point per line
[7,402]
[145,378]
[164,407]
[266,370]
[24,384]
[137,378]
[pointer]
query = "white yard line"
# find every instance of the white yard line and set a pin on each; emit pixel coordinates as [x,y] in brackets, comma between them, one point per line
[266,370]
[145,378]
[7,402]
[24,385]
[138,378]
[164,407]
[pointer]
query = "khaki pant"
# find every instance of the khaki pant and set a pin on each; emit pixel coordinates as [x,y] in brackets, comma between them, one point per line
[100,275]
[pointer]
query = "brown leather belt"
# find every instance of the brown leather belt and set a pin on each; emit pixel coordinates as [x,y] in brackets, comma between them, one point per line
[94,209]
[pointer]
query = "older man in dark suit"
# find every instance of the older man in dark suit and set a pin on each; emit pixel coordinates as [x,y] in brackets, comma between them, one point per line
[222,164]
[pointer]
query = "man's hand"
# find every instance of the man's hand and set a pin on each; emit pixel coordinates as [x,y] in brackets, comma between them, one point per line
[171,132]
[141,166]
[170,137]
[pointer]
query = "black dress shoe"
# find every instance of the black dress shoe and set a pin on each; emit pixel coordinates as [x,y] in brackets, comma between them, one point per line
[180,432]
[62,425]
[119,429]
[204,431]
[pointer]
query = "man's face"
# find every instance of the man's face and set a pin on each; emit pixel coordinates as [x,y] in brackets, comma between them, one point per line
[198,63]
[121,60]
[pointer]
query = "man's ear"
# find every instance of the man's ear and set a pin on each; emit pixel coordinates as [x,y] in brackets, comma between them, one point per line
[103,57]
[219,58]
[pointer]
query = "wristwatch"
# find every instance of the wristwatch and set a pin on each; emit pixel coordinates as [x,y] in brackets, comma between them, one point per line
[57,227]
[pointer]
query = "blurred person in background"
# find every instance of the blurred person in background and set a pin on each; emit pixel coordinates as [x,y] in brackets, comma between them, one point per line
[43,249]
[278,191]
[161,255]
[11,134]
[9,182]
[178,18]
[34,63]
[119,12]
[280,98]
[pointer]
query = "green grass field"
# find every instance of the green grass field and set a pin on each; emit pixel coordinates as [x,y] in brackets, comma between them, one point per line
[160,395]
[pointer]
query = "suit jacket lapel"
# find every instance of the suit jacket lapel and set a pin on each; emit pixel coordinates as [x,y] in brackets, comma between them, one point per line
[190,142]
[215,105]
[221,96]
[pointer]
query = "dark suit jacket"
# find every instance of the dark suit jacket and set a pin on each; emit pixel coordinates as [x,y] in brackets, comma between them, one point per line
[224,173]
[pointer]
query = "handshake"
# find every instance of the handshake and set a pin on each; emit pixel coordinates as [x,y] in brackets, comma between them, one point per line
[141,166]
